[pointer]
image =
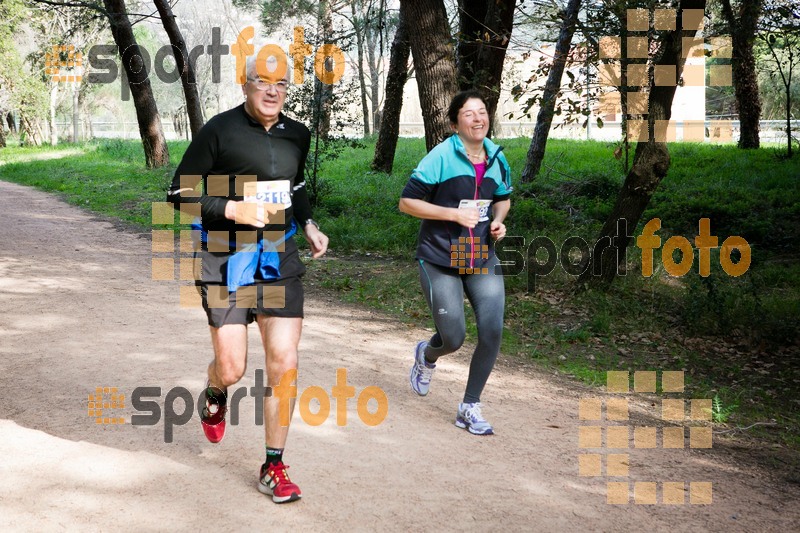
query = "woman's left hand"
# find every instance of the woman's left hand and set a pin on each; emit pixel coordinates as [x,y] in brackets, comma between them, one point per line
[497,230]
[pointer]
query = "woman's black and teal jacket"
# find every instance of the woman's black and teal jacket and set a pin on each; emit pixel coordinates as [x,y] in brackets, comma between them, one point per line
[445,177]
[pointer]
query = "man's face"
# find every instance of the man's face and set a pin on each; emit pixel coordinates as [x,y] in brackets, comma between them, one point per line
[265,97]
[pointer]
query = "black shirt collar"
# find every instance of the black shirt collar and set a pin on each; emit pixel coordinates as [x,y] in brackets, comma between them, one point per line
[254,122]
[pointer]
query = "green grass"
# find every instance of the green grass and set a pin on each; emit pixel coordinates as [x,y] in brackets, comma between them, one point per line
[359,207]
[15,153]
[107,177]
[736,338]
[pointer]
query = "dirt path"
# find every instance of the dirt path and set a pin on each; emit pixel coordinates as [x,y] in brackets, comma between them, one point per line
[78,310]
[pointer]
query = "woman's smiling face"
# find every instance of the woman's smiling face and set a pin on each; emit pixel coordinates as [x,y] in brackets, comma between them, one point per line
[473,121]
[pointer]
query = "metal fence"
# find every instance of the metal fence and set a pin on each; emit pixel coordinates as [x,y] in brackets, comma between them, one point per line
[771,131]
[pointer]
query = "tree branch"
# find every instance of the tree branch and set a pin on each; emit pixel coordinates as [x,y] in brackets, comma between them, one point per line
[88,5]
[96,7]
[727,12]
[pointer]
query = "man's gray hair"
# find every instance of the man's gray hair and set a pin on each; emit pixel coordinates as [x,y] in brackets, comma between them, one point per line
[252,72]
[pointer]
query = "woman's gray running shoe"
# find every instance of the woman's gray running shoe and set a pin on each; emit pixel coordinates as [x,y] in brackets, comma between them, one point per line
[421,373]
[469,417]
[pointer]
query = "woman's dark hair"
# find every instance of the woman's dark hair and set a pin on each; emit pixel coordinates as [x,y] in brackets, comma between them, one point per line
[458,102]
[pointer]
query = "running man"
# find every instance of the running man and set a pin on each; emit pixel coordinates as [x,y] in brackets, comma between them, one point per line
[249,268]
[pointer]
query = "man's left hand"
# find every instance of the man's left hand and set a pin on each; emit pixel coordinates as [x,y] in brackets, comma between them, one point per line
[317,240]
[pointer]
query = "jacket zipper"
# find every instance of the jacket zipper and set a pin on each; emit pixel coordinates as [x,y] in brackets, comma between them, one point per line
[471,235]
[475,197]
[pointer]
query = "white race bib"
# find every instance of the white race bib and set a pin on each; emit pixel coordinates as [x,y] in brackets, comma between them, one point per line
[269,192]
[481,205]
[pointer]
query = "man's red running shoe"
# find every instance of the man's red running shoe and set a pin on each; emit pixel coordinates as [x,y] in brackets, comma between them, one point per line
[274,481]
[213,419]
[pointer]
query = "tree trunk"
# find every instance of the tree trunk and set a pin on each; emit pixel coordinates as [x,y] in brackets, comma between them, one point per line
[88,131]
[395,81]
[789,116]
[624,88]
[52,116]
[30,134]
[12,125]
[485,33]
[2,129]
[359,26]
[38,132]
[150,130]
[651,162]
[432,50]
[86,118]
[25,134]
[471,17]
[323,93]
[374,76]
[184,65]
[176,124]
[745,80]
[551,89]
[76,116]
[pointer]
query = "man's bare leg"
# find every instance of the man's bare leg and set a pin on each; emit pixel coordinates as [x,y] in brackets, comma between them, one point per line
[228,366]
[280,337]
[230,355]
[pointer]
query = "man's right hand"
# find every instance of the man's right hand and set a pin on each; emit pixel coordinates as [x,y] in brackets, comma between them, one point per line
[250,213]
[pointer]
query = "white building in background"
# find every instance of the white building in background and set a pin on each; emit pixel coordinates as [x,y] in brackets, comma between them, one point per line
[688,105]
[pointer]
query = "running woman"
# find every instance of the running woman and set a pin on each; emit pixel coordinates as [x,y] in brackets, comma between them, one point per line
[453,190]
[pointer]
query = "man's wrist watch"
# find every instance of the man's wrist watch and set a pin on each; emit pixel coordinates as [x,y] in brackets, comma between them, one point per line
[312,222]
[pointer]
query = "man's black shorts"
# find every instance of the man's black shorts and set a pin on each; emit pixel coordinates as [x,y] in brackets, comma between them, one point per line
[282,298]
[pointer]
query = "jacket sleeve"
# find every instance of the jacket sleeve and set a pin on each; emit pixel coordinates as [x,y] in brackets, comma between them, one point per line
[300,201]
[197,162]
[504,189]
[424,178]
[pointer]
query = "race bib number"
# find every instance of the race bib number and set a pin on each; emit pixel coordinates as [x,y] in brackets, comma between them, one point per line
[269,192]
[481,205]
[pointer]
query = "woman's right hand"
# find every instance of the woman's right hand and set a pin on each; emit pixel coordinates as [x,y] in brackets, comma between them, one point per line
[467,217]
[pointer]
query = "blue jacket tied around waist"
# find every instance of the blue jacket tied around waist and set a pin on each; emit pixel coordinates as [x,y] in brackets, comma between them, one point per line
[261,256]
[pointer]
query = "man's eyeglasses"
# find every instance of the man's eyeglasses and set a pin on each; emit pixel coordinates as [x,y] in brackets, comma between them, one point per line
[281,86]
